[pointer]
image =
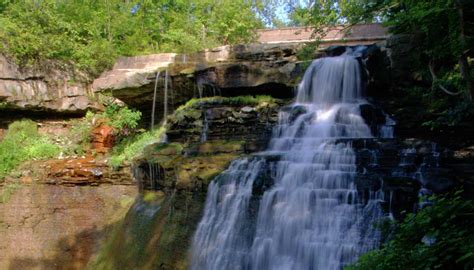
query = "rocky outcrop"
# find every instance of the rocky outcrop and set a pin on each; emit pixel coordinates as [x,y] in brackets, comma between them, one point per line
[52,88]
[88,170]
[256,69]
[103,138]
[202,138]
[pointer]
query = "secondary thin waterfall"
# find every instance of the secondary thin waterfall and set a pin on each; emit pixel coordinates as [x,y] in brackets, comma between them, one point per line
[153,107]
[311,217]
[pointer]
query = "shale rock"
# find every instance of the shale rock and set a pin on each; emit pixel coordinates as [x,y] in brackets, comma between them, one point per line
[52,88]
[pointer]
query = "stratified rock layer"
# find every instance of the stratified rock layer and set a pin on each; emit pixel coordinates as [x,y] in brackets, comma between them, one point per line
[53,88]
[56,226]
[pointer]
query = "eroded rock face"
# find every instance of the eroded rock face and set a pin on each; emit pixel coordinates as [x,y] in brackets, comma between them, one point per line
[87,170]
[103,138]
[257,69]
[54,213]
[53,89]
[58,227]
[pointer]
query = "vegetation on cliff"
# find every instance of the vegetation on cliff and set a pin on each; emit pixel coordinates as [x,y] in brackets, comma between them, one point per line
[441,59]
[122,119]
[92,34]
[437,237]
[21,143]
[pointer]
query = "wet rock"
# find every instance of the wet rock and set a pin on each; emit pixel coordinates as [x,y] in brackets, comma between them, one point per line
[372,116]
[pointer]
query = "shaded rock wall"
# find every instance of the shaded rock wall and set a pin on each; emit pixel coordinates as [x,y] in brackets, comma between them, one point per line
[58,227]
[52,88]
[55,213]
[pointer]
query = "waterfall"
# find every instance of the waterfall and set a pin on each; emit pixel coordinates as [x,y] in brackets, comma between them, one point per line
[165,98]
[205,127]
[310,215]
[153,106]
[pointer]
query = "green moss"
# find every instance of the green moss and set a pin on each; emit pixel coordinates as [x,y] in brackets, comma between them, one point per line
[7,190]
[153,235]
[239,100]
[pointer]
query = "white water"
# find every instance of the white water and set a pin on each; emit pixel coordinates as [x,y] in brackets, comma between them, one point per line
[311,217]
[165,98]
[153,107]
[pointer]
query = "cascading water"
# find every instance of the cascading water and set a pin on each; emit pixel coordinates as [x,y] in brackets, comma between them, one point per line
[153,107]
[311,217]
[165,98]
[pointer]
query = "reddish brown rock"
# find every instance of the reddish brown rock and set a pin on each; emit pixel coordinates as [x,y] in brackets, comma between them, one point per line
[103,138]
[73,171]
[58,227]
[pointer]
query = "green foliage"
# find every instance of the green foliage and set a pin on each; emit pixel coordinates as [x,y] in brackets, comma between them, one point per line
[133,146]
[437,237]
[458,114]
[308,51]
[121,118]
[21,143]
[80,134]
[91,34]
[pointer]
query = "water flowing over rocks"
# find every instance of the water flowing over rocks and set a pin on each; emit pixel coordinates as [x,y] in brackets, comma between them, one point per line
[357,158]
[310,217]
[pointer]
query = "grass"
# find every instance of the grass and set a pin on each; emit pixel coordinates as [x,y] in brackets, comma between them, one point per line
[131,147]
[22,142]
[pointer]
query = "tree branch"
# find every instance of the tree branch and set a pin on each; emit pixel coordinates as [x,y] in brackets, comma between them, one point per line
[434,78]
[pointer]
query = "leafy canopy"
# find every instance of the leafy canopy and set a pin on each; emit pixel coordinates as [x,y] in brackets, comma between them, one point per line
[91,33]
[437,237]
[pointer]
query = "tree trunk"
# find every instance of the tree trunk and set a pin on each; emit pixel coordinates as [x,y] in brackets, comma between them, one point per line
[463,63]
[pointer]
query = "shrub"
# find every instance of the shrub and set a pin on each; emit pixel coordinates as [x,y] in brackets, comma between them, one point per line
[122,119]
[437,237]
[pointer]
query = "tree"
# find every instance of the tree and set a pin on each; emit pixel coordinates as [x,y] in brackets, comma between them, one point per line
[441,25]
[92,34]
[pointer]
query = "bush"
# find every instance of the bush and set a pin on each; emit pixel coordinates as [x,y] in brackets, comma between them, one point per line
[437,237]
[21,143]
[122,119]
[307,52]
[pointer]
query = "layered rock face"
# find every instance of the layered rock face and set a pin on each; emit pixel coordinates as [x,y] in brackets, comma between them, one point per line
[57,226]
[55,213]
[257,69]
[53,88]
